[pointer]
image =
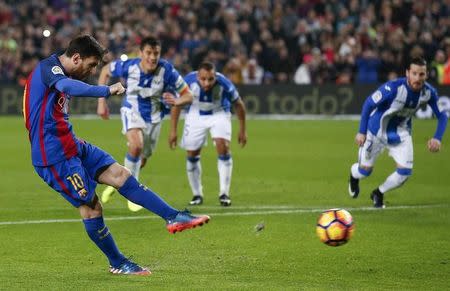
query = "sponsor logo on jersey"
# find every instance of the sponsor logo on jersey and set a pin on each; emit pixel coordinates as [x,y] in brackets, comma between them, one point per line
[63,103]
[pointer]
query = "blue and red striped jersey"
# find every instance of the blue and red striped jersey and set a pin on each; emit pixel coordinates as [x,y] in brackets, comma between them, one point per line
[45,111]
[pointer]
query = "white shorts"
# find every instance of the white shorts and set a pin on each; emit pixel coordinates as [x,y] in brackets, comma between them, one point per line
[196,128]
[132,119]
[402,153]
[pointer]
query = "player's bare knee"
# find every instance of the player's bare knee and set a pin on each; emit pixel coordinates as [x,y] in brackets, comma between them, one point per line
[223,150]
[222,146]
[121,176]
[115,175]
[135,149]
[193,153]
[91,209]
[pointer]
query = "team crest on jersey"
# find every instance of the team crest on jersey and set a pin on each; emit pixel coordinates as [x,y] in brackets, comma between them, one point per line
[156,80]
[376,97]
[57,70]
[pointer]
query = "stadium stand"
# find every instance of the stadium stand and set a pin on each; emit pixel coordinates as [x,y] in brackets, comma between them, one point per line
[303,42]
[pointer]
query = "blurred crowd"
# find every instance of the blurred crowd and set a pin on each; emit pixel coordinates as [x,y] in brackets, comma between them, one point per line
[251,41]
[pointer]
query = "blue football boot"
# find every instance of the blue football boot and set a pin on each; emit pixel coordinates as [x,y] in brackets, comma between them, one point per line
[129,267]
[184,220]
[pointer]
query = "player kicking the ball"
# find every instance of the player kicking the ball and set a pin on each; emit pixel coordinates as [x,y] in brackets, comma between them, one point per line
[73,167]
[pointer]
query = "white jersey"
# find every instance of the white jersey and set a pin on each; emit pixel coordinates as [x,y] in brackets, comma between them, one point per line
[144,91]
[387,112]
[218,99]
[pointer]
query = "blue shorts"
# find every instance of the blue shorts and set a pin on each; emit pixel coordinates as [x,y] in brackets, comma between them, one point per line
[76,178]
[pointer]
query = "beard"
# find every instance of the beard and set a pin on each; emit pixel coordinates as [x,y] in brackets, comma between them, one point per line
[415,86]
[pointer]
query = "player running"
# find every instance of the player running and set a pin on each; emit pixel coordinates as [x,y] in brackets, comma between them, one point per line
[148,80]
[386,123]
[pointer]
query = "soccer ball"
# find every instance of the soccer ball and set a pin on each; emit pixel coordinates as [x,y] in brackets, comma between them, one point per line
[335,227]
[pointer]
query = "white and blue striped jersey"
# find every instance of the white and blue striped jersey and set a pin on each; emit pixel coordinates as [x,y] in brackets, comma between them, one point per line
[144,91]
[387,112]
[218,99]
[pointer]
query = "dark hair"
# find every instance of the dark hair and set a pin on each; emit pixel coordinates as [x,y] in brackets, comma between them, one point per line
[150,41]
[86,46]
[208,66]
[419,61]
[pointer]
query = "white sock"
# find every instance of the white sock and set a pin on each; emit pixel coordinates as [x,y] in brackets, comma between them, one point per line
[194,173]
[393,181]
[225,167]
[356,173]
[134,165]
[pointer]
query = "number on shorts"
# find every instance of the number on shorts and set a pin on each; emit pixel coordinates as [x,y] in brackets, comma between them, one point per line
[186,130]
[77,183]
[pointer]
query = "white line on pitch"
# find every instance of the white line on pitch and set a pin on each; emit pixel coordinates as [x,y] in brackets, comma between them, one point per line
[243,213]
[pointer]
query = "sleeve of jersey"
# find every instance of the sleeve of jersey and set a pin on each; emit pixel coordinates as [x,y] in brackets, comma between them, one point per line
[52,75]
[368,107]
[181,86]
[176,81]
[190,78]
[232,92]
[378,97]
[81,89]
[116,68]
[441,117]
[234,95]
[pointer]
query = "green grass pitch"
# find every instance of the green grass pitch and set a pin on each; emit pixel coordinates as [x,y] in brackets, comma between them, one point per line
[287,174]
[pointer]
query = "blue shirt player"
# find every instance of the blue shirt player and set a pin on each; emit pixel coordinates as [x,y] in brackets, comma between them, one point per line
[148,80]
[73,167]
[386,123]
[214,95]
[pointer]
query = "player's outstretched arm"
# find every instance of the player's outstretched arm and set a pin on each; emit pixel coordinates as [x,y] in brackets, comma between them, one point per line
[116,89]
[102,105]
[78,88]
[239,106]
